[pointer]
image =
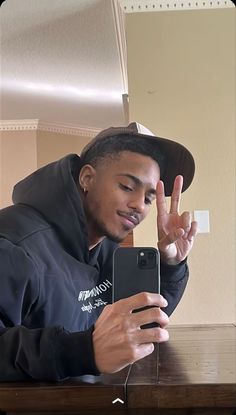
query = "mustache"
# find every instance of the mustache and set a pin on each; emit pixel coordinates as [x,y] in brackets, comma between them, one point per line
[132,216]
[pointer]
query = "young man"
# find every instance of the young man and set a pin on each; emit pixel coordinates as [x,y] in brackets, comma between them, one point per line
[56,248]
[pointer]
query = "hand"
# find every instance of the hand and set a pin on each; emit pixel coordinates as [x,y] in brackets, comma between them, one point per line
[175,233]
[117,338]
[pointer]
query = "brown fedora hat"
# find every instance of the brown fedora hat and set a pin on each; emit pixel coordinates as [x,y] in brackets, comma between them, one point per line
[177,159]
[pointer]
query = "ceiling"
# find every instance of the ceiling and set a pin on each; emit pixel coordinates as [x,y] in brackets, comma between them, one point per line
[65,61]
[61,62]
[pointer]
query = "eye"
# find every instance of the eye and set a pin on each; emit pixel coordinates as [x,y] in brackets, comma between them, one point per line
[125,188]
[148,201]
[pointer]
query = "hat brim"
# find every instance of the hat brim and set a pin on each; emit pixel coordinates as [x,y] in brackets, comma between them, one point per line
[177,159]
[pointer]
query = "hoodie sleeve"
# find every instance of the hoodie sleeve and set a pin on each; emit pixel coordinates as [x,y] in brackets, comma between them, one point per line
[174,279]
[50,353]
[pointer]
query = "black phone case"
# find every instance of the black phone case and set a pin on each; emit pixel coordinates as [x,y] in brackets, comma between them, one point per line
[135,270]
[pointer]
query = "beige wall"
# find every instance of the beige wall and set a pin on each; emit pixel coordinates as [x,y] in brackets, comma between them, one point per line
[18,158]
[22,152]
[52,146]
[181,69]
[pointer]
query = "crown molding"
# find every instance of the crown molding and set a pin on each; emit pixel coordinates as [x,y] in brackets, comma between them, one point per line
[68,129]
[134,6]
[18,125]
[39,125]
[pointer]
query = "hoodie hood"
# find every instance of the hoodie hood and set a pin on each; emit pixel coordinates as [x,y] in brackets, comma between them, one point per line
[52,191]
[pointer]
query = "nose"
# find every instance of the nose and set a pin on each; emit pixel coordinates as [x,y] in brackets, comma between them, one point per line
[137,202]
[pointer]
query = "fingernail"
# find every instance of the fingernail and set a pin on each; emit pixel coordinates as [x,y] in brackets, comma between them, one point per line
[165,302]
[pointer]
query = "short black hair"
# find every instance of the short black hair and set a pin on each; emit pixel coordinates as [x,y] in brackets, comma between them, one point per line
[113,146]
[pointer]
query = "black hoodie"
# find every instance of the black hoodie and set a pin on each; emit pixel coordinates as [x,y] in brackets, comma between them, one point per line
[52,288]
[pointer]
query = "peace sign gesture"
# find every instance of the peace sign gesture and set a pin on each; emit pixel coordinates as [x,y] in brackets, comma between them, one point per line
[176,232]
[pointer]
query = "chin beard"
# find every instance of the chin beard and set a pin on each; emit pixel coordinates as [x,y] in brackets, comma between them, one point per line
[102,229]
[114,238]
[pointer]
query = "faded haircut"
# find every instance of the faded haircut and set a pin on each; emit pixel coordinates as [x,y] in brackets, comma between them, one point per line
[111,147]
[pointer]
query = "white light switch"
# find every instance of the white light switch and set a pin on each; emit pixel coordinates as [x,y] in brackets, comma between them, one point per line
[202,218]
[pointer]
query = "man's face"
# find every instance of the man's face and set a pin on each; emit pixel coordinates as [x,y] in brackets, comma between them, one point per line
[119,194]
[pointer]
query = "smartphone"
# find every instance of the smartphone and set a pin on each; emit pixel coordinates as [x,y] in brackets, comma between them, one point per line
[135,270]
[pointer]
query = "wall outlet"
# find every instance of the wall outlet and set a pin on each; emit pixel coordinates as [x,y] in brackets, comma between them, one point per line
[202,218]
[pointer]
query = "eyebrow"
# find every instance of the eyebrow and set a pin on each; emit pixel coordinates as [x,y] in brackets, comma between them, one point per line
[137,181]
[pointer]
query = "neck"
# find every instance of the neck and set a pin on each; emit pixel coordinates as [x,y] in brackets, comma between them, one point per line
[93,237]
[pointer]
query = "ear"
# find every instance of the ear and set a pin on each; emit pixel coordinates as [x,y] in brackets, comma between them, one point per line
[87,177]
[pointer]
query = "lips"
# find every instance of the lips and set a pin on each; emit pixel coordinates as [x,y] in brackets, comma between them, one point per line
[129,218]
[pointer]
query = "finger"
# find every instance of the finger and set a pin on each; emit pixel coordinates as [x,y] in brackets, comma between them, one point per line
[127,305]
[189,227]
[141,351]
[185,222]
[153,335]
[193,231]
[160,199]
[170,238]
[151,315]
[176,194]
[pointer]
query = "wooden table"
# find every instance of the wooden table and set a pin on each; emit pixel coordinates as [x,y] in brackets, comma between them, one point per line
[194,373]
